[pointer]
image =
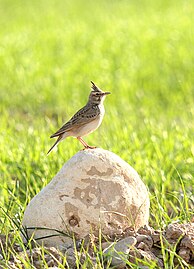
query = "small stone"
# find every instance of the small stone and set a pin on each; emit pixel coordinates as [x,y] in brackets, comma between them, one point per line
[119,251]
[188,242]
[146,230]
[134,254]
[47,257]
[38,264]
[185,253]
[55,252]
[106,245]
[142,246]
[144,255]
[129,231]
[1,257]
[50,263]
[157,252]
[174,231]
[146,239]
[70,256]
[156,236]
[36,253]
[19,249]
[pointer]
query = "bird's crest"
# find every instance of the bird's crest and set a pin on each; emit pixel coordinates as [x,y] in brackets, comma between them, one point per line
[95,88]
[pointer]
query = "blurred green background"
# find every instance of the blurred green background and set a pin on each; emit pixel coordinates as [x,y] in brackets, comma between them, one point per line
[141,51]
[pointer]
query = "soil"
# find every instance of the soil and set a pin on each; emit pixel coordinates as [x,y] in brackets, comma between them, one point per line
[176,237]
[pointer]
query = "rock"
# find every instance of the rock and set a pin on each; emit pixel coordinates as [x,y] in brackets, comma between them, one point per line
[146,230]
[185,254]
[188,242]
[156,236]
[50,263]
[106,245]
[71,258]
[95,188]
[188,239]
[118,252]
[136,255]
[129,231]
[52,257]
[143,246]
[175,231]
[146,239]
[156,250]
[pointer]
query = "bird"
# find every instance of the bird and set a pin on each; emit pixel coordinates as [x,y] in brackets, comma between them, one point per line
[86,120]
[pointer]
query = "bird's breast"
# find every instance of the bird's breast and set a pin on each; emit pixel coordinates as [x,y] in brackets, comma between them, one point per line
[91,126]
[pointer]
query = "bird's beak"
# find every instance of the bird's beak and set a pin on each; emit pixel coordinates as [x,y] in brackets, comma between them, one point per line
[106,93]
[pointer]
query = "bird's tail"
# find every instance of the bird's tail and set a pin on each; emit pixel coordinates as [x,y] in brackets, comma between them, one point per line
[58,140]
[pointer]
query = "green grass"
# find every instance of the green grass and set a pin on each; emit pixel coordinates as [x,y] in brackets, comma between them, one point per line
[141,51]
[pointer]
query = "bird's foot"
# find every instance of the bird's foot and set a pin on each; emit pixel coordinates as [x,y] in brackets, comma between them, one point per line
[89,147]
[86,146]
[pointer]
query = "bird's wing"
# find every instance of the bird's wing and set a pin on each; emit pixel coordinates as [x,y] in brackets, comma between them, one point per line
[82,117]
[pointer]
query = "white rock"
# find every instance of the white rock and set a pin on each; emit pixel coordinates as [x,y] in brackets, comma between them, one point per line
[95,188]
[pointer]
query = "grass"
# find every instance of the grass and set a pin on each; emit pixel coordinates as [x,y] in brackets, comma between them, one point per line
[141,51]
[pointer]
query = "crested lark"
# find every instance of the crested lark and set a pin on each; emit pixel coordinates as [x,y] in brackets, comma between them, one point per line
[86,120]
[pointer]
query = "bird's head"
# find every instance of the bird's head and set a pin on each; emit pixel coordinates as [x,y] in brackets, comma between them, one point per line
[97,96]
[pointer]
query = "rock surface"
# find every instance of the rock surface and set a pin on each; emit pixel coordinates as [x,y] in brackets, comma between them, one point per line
[118,251]
[95,188]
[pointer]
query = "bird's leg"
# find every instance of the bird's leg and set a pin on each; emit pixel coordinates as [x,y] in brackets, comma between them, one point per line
[86,146]
[82,141]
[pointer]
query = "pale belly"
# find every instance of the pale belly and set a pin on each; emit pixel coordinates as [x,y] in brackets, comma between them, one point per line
[89,128]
